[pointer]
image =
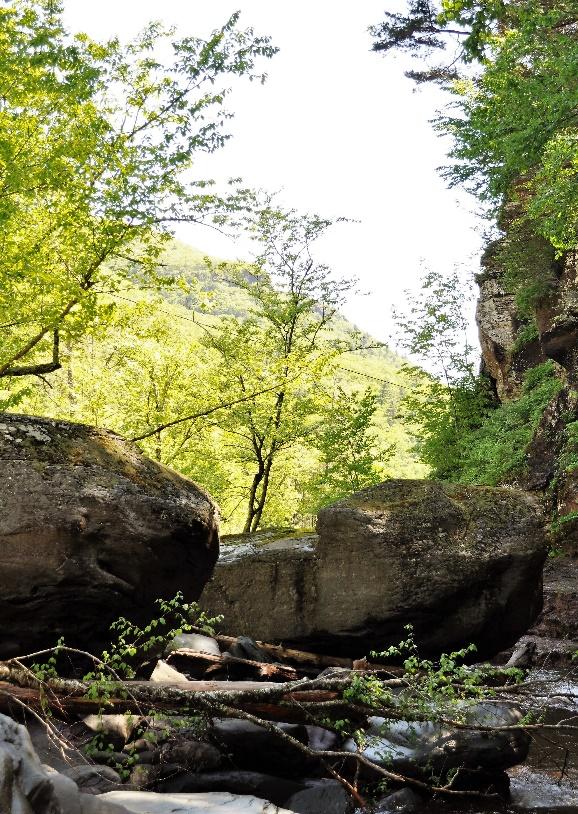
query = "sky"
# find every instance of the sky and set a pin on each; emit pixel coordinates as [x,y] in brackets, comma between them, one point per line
[337,130]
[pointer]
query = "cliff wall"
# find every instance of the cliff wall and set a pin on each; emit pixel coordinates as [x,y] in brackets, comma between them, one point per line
[514,340]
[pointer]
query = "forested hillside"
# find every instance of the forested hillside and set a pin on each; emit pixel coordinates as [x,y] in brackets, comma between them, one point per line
[154,359]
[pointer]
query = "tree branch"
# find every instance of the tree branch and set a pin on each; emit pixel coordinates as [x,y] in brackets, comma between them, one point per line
[223,406]
[40,368]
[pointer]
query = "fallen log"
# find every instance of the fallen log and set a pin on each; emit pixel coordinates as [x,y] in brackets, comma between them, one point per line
[261,703]
[494,676]
[281,701]
[287,653]
[288,708]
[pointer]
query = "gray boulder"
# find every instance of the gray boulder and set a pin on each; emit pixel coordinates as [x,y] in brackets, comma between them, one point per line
[462,564]
[90,530]
[28,787]
[433,751]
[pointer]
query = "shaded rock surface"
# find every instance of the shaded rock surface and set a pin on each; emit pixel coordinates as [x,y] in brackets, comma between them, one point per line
[430,750]
[461,564]
[90,530]
[250,746]
[28,787]
[559,617]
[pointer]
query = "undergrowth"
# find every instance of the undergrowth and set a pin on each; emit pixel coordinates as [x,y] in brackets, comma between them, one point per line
[495,452]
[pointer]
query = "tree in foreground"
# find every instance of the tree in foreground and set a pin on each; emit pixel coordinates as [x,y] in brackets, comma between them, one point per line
[97,142]
[286,347]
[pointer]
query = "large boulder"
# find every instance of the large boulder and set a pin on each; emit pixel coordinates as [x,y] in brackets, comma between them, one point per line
[462,564]
[29,787]
[264,585]
[433,751]
[90,530]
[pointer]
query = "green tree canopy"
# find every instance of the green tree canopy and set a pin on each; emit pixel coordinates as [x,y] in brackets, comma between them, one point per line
[97,142]
[513,78]
[285,347]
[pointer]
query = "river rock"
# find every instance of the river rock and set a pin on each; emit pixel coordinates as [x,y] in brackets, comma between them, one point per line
[430,751]
[265,786]
[28,787]
[252,747]
[93,779]
[320,796]
[163,672]
[404,801]
[148,802]
[193,641]
[462,564]
[90,530]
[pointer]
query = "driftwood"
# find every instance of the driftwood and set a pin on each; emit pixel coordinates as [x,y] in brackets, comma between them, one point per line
[316,661]
[288,654]
[261,702]
[281,672]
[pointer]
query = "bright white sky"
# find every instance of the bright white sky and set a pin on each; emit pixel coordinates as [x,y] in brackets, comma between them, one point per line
[338,129]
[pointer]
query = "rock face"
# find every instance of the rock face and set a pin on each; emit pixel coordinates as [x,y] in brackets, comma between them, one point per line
[90,529]
[512,343]
[505,358]
[461,564]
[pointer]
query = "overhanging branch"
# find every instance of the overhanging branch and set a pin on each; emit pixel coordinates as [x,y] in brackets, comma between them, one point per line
[42,367]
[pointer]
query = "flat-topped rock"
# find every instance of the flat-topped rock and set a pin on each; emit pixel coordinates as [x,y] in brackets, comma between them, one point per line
[461,564]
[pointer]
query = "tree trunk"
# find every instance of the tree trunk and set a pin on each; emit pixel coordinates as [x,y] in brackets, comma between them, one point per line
[251,509]
[263,497]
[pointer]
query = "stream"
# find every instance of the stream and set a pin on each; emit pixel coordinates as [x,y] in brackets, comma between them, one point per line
[547,783]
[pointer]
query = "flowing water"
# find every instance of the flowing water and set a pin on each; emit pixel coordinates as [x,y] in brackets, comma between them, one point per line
[547,783]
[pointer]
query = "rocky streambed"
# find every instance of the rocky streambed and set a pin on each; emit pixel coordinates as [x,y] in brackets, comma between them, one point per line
[91,530]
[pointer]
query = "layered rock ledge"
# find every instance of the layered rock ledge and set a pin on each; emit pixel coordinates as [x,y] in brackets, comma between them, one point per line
[461,564]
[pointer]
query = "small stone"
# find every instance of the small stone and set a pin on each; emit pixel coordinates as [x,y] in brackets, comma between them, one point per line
[164,672]
[117,729]
[404,801]
[194,641]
